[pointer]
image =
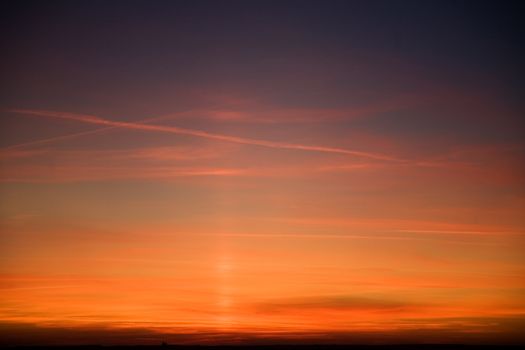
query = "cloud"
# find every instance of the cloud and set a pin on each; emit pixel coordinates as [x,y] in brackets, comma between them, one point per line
[26,333]
[460,232]
[451,239]
[55,139]
[333,302]
[14,153]
[68,173]
[54,165]
[403,226]
[458,330]
[161,153]
[77,134]
[204,134]
[259,114]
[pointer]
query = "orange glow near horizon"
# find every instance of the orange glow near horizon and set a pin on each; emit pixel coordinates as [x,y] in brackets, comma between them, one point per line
[261,172]
[254,261]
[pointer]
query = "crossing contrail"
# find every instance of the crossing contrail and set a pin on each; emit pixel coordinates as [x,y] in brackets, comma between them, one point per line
[204,134]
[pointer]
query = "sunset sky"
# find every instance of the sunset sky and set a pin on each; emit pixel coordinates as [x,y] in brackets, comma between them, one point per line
[261,172]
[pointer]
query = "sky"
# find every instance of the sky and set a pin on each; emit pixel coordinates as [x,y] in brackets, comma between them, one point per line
[251,172]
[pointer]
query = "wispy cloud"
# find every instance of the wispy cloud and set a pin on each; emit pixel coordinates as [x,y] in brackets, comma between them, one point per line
[460,232]
[256,113]
[204,134]
[55,139]
[388,236]
[308,236]
[77,134]
[335,302]
[164,162]
[14,153]
[67,173]
[161,153]
[403,226]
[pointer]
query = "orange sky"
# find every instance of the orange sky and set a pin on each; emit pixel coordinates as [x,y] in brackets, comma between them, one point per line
[217,210]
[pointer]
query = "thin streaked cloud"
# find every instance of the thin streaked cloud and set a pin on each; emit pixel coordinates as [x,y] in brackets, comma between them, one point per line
[204,134]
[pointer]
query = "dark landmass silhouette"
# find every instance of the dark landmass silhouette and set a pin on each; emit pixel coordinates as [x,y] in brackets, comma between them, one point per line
[268,347]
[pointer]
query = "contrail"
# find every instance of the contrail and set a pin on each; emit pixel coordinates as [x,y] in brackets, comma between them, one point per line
[81,133]
[57,138]
[460,232]
[203,134]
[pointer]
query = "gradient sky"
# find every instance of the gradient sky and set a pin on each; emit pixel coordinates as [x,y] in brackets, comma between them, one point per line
[261,171]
